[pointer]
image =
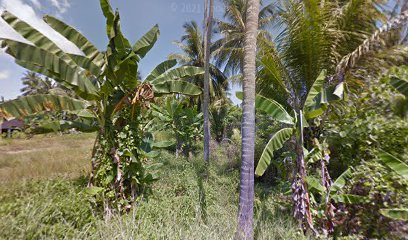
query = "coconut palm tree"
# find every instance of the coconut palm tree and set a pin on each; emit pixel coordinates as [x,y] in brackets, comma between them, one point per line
[313,36]
[192,46]
[208,21]
[35,84]
[229,49]
[246,193]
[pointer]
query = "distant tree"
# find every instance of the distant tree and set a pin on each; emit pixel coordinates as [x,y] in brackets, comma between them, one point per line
[34,83]
[193,55]
[224,118]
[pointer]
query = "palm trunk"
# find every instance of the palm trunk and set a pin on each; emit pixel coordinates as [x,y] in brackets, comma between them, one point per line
[246,194]
[207,41]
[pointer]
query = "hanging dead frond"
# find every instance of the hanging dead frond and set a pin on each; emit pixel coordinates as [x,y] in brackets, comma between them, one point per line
[302,208]
[300,193]
[327,183]
[143,94]
[4,114]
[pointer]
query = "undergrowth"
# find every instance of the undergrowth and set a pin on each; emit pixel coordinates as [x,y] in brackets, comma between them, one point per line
[190,201]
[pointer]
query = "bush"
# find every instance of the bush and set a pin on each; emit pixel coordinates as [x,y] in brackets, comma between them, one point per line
[357,130]
[383,189]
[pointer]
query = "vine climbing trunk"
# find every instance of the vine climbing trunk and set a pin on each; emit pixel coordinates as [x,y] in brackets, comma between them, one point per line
[208,17]
[246,194]
[94,160]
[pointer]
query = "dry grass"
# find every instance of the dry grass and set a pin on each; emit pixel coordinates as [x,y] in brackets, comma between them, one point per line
[45,157]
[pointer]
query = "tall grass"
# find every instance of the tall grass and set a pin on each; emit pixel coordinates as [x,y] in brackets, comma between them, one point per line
[190,201]
[193,201]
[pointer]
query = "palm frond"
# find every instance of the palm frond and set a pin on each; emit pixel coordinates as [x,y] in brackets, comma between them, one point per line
[349,61]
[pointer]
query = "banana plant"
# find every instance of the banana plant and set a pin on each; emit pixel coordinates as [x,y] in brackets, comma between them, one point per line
[110,91]
[316,103]
[335,194]
[185,123]
[331,192]
[401,168]
[397,77]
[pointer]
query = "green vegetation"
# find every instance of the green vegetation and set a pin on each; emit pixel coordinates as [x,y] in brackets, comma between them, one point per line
[187,200]
[111,94]
[321,131]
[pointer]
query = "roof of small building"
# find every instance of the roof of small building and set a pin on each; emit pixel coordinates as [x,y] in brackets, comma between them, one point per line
[15,123]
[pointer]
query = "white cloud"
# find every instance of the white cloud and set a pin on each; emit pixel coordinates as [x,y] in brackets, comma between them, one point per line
[4,75]
[26,13]
[61,5]
[36,4]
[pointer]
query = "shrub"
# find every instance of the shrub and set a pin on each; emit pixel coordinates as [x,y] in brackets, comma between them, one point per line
[383,189]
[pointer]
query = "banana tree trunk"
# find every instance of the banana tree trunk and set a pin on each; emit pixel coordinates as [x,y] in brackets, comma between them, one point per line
[300,195]
[207,42]
[246,194]
[93,159]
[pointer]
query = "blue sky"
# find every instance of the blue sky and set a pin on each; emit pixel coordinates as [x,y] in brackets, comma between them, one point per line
[137,17]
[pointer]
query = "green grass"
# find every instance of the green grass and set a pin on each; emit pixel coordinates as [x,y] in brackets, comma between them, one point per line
[188,202]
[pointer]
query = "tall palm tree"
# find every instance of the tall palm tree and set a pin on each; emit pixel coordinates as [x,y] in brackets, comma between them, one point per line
[35,84]
[229,49]
[208,18]
[246,193]
[192,46]
[314,35]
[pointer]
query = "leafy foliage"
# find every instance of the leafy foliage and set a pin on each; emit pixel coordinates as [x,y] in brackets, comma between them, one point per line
[383,189]
[224,118]
[117,99]
[192,46]
[397,214]
[275,143]
[395,164]
[184,123]
[30,105]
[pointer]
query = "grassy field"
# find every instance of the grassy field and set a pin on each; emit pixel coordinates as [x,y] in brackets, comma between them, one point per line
[41,197]
[45,157]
